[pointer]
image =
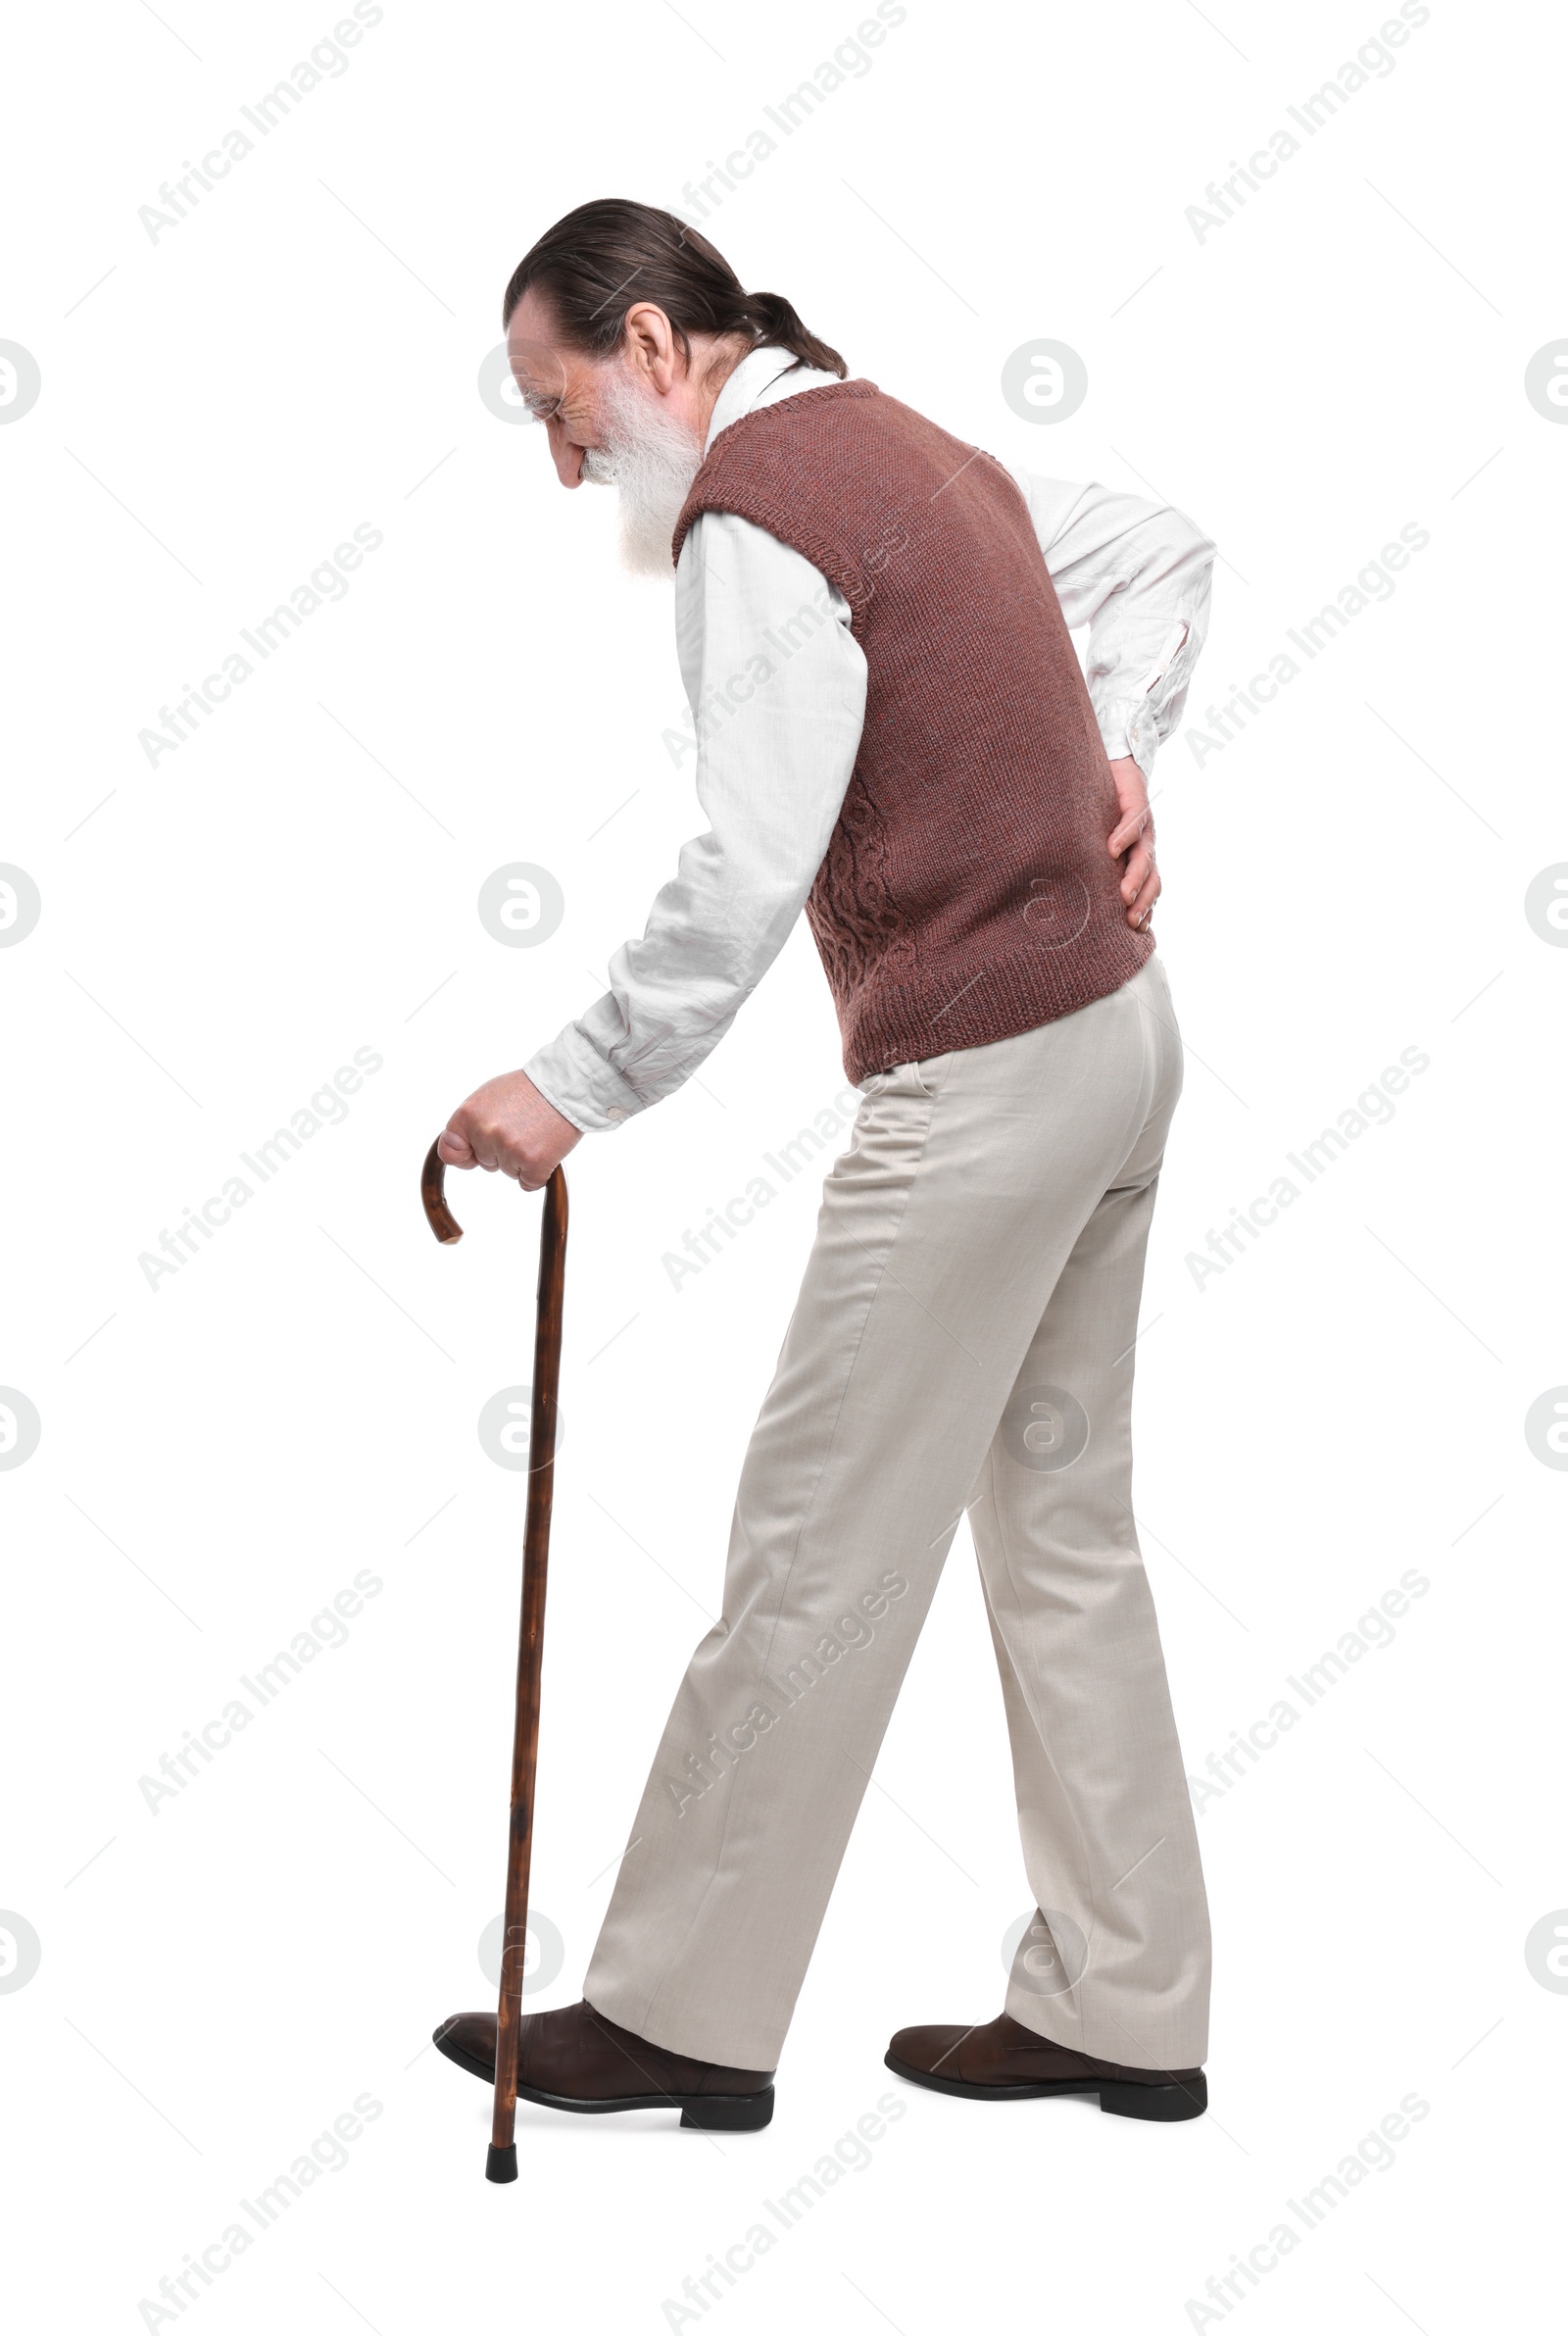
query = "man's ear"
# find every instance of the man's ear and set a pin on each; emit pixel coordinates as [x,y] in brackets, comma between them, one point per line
[652,346]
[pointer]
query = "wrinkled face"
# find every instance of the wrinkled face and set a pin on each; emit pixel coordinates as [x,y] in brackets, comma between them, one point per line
[559,385]
[626,421]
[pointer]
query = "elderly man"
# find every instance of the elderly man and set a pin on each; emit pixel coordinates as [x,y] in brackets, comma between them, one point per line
[893,732]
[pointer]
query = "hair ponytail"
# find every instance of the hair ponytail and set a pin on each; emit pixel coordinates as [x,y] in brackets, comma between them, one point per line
[777,327]
[603,257]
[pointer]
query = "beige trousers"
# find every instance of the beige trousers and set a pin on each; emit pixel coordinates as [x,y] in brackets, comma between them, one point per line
[963,1341]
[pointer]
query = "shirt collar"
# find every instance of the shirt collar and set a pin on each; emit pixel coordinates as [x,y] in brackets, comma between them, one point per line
[755,372]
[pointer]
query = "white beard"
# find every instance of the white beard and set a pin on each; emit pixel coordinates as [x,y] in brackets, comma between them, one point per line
[652,460]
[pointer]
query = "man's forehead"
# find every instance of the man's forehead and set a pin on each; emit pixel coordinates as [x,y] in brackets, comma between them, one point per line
[531,319]
[534,349]
[536,369]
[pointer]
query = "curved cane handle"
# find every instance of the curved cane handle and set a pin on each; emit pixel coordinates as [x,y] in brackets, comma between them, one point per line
[432,1191]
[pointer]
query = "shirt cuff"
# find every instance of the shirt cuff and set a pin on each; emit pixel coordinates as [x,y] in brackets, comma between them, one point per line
[571,1075]
[1129,729]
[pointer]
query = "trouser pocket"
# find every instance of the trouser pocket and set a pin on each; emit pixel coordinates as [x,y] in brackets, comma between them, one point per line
[925,1077]
[930,1073]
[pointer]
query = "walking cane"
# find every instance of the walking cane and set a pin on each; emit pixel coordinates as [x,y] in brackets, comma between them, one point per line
[501,2165]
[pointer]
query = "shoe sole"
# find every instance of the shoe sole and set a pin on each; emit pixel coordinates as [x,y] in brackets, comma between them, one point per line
[1158,2103]
[701,2112]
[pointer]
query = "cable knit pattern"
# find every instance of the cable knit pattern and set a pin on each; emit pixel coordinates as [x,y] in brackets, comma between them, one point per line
[967,893]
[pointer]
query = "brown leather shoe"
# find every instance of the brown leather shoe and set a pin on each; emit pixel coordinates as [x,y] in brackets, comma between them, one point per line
[1007,2062]
[576,2059]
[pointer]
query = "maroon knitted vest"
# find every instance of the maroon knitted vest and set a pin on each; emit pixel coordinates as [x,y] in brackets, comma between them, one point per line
[967,893]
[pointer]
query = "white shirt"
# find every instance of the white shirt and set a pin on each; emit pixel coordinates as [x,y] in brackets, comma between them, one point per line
[776,683]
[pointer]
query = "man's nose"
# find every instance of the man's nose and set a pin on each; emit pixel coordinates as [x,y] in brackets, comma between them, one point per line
[567,455]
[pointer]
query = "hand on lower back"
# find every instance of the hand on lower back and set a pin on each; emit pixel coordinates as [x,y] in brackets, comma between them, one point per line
[508,1124]
[1133,842]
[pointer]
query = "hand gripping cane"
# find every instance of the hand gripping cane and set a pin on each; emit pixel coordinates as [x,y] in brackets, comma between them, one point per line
[502,2163]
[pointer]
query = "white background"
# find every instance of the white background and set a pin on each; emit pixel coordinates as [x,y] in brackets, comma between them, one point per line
[220,1455]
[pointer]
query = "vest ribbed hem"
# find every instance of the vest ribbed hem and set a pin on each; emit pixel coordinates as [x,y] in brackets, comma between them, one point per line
[1003,997]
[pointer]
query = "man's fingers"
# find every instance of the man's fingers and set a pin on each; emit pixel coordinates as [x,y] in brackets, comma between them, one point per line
[1142,903]
[487,1152]
[508,1127]
[1136,874]
[480,1149]
[1137,823]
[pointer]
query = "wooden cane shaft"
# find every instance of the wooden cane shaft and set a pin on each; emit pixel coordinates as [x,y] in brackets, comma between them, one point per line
[530,1648]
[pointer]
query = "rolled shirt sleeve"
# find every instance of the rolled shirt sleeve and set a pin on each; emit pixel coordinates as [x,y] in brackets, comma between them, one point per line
[777,688]
[1138,575]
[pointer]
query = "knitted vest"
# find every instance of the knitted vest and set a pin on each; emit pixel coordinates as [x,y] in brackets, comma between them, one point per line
[966,892]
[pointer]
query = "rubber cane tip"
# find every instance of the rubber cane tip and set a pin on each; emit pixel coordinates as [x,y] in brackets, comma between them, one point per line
[501,2165]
